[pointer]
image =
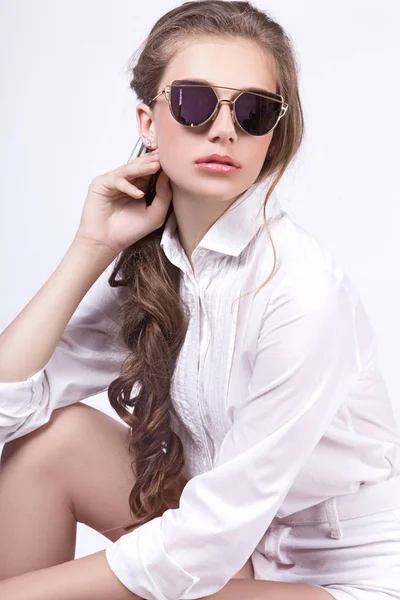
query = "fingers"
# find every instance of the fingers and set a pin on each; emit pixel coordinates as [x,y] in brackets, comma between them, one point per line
[125,187]
[115,179]
[141,167]
[135,169]
[145,157]
[161,201]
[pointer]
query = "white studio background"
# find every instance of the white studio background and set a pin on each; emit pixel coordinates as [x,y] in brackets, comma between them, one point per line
[67,114]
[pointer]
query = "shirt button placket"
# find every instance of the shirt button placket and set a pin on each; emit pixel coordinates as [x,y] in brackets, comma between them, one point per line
[207,460]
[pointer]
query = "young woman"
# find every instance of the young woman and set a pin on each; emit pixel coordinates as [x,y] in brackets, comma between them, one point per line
[258,456]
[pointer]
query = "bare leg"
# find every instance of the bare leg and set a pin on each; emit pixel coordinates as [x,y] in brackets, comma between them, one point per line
[78,468]
[74,468]
[37,527]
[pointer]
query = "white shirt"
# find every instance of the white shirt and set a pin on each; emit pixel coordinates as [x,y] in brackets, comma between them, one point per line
[282,402]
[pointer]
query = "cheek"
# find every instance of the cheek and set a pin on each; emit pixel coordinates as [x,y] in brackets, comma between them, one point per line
[261,146]
[259,152]
[178,146]
[176,152]
[256,154]
[169,140]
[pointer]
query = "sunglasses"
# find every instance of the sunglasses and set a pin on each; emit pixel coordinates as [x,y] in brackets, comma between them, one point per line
[193,103]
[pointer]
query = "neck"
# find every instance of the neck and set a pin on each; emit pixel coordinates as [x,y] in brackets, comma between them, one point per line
[195,215]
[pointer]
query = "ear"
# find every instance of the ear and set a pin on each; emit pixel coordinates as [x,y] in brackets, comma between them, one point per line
[146,125]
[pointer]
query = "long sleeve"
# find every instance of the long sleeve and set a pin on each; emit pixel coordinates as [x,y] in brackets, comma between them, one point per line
[85,361]
[306,361]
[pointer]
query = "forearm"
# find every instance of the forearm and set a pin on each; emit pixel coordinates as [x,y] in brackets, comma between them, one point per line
[29,341]
[86,578]
[90,578]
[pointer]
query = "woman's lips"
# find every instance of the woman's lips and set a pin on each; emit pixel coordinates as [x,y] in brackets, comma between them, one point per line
[215,167]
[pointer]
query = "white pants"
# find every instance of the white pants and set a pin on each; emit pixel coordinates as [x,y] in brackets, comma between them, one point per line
[348,545]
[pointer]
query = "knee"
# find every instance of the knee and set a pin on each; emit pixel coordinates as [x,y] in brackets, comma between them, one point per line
[44,446]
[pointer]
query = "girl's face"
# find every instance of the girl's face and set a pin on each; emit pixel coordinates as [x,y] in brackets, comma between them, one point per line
[234,63]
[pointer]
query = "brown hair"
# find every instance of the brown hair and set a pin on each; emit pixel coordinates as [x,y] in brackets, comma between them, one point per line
[152,320]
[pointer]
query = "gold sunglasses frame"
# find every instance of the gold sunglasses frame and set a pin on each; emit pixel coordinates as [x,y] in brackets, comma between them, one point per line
[167,91]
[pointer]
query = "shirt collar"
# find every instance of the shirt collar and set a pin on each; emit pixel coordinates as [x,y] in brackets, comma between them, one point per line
[234,229]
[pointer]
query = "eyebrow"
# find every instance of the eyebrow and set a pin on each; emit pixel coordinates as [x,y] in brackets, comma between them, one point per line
[253,89]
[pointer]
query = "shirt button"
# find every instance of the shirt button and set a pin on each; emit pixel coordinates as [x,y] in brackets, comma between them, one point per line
[202,252]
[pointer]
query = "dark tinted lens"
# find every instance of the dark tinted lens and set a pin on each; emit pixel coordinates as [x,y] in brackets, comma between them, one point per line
[192,104]
[257,114]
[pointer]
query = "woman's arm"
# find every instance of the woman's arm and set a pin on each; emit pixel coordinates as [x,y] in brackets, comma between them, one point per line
[28,342]
[307,360]
[86,578]
[90,578]
[85,359]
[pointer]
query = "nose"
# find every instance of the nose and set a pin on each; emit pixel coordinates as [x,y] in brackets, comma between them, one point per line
[223,122]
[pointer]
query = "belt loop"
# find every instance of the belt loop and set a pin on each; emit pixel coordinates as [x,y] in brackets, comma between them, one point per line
[333,518]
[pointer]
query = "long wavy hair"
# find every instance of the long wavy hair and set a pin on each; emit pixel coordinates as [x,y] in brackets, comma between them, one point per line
[151,317]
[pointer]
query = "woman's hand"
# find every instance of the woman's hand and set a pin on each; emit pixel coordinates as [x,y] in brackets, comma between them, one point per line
[115,214]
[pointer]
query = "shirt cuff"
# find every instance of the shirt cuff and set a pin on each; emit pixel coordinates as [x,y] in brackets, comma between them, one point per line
[19,399]
[141,563]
